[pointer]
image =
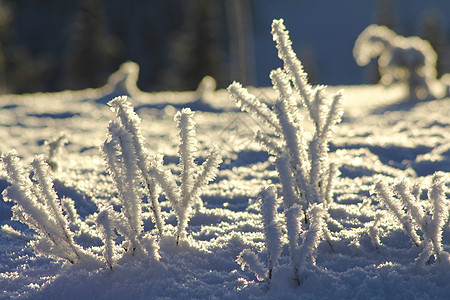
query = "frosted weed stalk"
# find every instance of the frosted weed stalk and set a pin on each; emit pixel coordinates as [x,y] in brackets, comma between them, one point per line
[129,161]
[407,209]
[302,244]
[134,172]
[304,168]
[38,206]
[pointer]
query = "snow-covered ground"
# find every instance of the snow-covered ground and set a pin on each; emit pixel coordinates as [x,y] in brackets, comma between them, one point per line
[380,134]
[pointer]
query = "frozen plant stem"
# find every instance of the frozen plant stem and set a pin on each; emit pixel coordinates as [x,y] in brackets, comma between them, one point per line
[440,216]
[409,212]
[306,174]
[129,121]
[124,172]
[128,161]
[305,171]
[386,195]
[38,206]
[186,152]
[272,235]
[106,229]
[272,230]
[302,242]
[54,151]
[48,194]
[192,181]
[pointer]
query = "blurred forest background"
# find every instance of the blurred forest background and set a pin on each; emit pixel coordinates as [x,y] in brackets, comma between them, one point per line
[52,45]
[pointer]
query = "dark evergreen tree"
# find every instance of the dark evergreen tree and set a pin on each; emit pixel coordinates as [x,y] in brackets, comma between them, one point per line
[20,70]
[240,37]
[196,50]
[5,25]
[91,48]
[432,29]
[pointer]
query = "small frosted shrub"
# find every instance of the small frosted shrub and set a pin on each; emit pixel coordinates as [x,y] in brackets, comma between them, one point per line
[410,60]
[193,178]
[134,172]
[302,242]
[130,163]
[38,206]
[123,166]
[407,209]
[305,171]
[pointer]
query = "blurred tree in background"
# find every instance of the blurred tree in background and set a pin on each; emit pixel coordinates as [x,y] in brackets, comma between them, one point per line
[5,25]
[197,49]
[50,45]
[432,29]
[91,49]
[75,44]
[240,36]
[20,71]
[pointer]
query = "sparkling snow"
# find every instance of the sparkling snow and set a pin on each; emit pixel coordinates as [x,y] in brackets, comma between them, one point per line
[381,133]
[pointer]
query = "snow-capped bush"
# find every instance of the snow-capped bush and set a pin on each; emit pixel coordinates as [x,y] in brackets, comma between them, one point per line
[123,81]
[304,168]
[128,161]
[408,210]
[134,172]
[302,243]
[38,206]
[205,89]
[406,59]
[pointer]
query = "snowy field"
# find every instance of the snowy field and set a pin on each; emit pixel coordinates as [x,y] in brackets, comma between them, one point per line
[381,134]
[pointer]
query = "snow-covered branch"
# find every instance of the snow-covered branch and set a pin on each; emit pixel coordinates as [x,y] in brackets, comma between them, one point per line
[406,59]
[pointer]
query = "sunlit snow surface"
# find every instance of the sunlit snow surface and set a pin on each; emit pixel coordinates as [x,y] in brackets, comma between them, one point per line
[379,134]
